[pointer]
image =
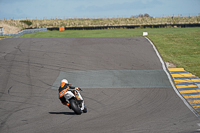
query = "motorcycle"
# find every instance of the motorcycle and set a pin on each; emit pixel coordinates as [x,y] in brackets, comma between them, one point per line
[74,103]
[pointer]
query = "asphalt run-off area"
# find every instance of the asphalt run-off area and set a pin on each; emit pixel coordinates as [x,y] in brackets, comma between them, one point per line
[126,87]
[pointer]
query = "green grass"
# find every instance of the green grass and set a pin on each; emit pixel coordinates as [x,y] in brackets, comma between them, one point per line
[182,49]
[26,22]
[180,46]
[111,32]
[1,37]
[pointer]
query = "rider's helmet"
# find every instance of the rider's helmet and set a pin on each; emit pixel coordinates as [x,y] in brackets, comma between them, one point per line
[64,80]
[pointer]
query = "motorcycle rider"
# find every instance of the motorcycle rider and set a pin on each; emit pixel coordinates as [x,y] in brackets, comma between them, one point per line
[64,87]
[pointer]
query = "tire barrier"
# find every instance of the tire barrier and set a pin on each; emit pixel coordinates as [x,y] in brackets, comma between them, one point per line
[126,27]
[101,28]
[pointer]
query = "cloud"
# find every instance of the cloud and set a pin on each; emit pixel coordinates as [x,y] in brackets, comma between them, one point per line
[52,8]
[91,8]
[128,6]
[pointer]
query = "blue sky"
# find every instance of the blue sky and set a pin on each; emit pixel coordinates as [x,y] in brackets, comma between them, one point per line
[95,9]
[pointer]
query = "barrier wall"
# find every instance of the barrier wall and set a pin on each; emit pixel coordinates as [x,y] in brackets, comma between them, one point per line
[26,32]
[1,31]
[127,27]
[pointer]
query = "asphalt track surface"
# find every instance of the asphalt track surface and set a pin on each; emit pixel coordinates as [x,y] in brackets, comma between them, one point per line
[30,70]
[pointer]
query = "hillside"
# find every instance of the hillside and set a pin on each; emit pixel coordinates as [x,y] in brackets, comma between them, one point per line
[12,26]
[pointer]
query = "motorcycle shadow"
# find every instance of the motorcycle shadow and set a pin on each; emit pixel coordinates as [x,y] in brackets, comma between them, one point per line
[64,113]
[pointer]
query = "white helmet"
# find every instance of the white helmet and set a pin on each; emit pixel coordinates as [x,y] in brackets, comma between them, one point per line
[64,80]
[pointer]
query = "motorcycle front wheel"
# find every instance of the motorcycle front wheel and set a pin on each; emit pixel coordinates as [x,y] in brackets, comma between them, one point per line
[74,106]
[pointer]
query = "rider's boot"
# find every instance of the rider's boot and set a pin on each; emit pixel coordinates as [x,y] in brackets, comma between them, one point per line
[84,110]
[66,103]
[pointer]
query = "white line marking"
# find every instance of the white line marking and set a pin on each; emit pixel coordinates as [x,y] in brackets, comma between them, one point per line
[170,80]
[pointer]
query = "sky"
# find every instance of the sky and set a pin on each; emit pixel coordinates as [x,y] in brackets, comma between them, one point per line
[40,9]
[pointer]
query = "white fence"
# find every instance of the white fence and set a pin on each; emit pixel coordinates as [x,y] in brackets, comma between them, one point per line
[24,32]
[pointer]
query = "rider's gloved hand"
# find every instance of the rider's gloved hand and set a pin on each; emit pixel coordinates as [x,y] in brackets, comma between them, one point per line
[79,89]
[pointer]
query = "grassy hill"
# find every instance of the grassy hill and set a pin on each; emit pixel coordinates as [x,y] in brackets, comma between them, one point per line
[48,23]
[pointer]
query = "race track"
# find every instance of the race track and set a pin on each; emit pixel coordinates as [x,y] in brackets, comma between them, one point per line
[124,87]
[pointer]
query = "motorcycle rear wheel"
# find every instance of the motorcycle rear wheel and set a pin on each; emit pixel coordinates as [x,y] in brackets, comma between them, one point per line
[74,106]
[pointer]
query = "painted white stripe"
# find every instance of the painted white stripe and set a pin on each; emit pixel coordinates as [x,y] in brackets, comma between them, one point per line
[170,80]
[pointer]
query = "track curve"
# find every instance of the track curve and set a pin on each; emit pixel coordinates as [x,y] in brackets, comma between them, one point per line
[31,68]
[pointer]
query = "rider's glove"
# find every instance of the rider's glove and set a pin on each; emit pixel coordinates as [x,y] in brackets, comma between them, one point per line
[79,89]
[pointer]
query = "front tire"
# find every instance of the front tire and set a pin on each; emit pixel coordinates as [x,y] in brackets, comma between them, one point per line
[74,106]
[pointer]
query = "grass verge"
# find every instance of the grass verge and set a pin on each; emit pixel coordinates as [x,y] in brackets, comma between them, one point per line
[2,37]
[180,46]
[182,49]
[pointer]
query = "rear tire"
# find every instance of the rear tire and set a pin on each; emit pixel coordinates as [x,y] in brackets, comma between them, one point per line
[74,106]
